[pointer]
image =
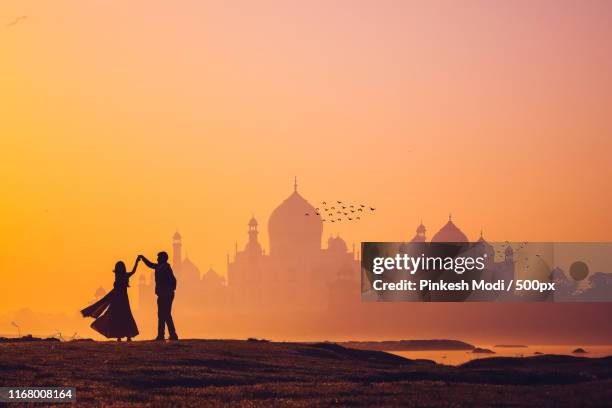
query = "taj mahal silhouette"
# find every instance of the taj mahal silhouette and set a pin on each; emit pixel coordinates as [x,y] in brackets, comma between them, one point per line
[296,275]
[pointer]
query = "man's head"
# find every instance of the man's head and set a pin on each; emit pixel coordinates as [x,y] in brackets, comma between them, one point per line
[162,257]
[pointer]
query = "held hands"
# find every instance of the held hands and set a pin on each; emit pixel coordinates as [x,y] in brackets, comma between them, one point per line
[147,262]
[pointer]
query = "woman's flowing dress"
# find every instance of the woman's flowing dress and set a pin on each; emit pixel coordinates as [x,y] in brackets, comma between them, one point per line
[113,315]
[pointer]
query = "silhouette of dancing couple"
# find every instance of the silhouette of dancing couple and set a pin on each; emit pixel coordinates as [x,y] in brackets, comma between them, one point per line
[113,315]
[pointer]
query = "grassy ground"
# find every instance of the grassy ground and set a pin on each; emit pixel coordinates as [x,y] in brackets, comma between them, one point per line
[240,373]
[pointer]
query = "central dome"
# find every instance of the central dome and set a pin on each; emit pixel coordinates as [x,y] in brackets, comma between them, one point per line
[294,227]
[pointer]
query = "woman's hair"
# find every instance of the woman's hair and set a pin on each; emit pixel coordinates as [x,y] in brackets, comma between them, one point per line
[120,267]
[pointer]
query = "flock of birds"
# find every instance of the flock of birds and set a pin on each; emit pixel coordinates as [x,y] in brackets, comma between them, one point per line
[507,244]
[339,211]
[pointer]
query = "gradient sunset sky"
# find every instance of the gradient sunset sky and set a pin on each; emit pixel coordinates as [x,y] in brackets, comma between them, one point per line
[123,121]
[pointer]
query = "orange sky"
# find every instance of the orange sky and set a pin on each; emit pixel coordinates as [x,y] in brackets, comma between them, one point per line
[120,123]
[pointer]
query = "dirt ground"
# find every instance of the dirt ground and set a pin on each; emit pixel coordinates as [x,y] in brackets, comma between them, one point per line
[250,374]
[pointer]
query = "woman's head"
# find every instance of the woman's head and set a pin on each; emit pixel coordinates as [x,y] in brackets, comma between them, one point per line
[120,268]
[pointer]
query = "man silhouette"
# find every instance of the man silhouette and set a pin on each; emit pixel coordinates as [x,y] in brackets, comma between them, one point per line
[165,285]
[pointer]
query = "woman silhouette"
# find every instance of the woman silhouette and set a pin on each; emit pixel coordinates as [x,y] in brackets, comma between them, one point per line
[112,313]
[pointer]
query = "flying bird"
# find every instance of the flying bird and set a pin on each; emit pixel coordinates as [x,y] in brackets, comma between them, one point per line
[306,214]
[372,208]
[16,21]
[323,202]
[339,202]
[359,209]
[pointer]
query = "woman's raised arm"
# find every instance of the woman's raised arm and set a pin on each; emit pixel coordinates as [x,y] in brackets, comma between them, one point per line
[135,266]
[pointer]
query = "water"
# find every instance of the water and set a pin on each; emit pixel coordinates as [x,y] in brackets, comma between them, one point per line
[456,357]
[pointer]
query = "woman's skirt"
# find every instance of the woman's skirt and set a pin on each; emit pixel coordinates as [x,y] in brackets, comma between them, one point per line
[113,315]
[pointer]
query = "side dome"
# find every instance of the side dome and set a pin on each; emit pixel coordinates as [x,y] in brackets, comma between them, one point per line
[449,233]
[212,279]
[294,227]
[336,244]
[189,270]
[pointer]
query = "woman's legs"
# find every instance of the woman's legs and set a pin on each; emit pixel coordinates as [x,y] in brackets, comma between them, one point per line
[118,338]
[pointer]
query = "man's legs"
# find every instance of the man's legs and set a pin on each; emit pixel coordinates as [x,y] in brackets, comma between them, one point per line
[161,317]
[169,321]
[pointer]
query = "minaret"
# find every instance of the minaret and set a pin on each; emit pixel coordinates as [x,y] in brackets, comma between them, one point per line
[176,252]
[420,233]
[253,230]
[142,294]
[509,255]
[253,246]
[295,184]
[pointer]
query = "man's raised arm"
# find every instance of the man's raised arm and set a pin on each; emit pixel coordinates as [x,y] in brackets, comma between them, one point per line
[147,262]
